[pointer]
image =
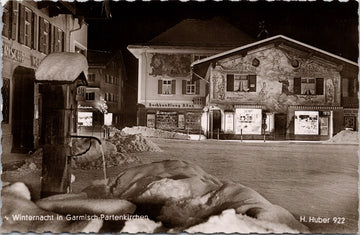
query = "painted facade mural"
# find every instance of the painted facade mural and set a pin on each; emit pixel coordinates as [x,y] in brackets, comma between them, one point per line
[171,65]
[283,78]
[278,91]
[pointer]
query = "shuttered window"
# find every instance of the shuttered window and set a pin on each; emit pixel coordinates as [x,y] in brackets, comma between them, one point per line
[308,86]
[58,40]
[14,17]
[6,19]
[230,82]
[44,36]
[26,26]
[241,83]
[319,86]
[297,86]
[167,87]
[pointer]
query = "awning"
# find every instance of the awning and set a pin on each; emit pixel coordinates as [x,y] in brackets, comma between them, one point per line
[62,67]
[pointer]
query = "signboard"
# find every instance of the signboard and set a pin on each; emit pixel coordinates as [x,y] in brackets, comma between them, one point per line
[229,122]
[85,118]
[306,122]
[248,121]
[150,120]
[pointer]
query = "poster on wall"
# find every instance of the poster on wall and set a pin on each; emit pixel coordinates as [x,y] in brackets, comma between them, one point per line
[324,125]
[181,121]
[193,120]
[85,118]
[150,120]
[229,122]
[248,121]
[306,122]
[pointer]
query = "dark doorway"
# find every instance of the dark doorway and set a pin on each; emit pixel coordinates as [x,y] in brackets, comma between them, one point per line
[23,110]
[280,126]
[216,123]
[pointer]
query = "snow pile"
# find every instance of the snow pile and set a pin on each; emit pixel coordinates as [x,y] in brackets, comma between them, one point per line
[152,132]
[346,137]
[31,164]
[181,196]
[129,143]
[92,159]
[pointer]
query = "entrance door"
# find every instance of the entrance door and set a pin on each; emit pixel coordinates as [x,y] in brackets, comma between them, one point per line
[280,126]
[23,110]
[216,123]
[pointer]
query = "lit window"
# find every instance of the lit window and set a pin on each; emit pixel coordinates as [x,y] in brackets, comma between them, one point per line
[241,83]
[166,87]
[308,86]
[90,95]
[190,87]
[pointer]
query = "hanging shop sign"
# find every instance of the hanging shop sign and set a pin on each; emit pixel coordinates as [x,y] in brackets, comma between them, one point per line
[306,122]
[248,121]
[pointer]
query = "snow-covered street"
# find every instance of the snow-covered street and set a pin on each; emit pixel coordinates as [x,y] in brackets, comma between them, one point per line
[310,180]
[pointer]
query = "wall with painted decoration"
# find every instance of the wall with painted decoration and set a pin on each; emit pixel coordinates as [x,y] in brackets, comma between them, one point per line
[276,77]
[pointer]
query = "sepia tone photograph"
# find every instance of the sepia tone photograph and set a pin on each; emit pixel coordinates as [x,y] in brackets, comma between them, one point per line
[179,116]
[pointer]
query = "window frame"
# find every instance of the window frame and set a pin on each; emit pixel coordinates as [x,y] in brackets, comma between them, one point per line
[166,87]
[90,95]
[190,88]
[27,27]
[304,85]
[241,82]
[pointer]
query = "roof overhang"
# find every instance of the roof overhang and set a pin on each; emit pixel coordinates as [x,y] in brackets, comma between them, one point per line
[63,68]
[199,67]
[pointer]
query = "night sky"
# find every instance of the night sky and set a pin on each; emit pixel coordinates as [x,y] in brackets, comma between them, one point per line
[331,26]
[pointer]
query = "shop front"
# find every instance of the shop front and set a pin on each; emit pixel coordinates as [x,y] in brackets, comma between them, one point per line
[18,76]
[314,122]
[181,117]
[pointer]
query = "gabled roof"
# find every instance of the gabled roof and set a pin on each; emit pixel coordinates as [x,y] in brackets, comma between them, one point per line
[196,32]
[273,39]
[200,66]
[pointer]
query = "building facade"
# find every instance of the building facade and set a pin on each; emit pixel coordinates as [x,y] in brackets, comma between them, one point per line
[280,88]
[167,97]
[103,101]
[31,30]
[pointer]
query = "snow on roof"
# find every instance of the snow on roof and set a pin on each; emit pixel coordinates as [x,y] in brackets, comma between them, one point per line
[222,54]
[195,32]
[62,66]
